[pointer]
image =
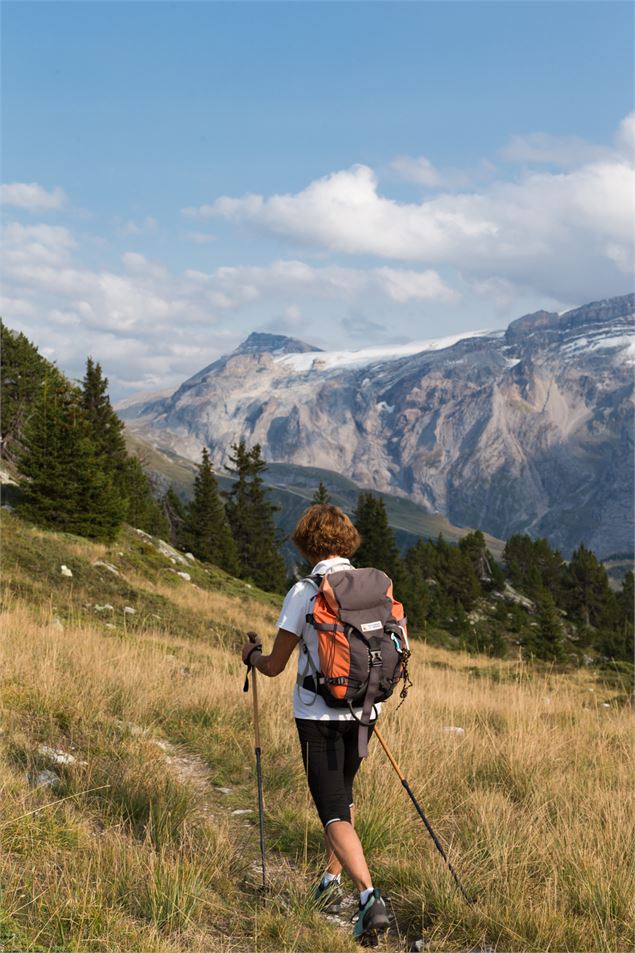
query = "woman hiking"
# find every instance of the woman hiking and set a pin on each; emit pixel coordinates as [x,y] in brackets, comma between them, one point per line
[331,737]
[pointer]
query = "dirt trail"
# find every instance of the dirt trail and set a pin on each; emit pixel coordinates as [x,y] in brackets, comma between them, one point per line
[215,801]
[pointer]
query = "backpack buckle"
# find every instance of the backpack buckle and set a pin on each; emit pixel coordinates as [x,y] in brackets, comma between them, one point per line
[375,657]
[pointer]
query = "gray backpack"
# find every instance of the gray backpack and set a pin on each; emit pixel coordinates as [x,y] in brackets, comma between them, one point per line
[362,642]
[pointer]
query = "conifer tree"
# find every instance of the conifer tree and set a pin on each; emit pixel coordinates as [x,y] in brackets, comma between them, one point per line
[67,488]
[206,531]
[142,509]
[108,428]
[321,495]
[548,642]
[22,371]
[488,572]
[129,478]
[379,547]
[174,511]
[250,516]
[589,596]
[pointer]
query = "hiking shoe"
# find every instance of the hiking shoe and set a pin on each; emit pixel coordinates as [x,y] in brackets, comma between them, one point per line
[372,920]
[328,897]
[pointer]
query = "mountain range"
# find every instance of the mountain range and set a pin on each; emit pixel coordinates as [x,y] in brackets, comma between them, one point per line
[528,429]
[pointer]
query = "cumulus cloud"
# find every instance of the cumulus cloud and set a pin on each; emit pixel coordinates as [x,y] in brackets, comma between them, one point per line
[230,288]
[31,196]
[150,321]
[565,233]
[418,170]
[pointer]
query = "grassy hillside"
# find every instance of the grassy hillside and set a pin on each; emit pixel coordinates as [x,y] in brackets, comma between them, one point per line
[140,720]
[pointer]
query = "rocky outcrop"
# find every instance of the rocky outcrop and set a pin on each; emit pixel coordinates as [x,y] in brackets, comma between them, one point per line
[530,429]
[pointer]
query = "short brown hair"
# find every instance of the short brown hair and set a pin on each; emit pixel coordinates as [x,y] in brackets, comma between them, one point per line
[325,530]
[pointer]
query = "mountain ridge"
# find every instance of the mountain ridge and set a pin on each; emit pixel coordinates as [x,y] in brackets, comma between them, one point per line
[523,429]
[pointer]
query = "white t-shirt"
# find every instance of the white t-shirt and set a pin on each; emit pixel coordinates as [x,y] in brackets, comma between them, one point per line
[297,603]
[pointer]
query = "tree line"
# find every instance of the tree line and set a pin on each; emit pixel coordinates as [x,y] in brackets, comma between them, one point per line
[68,444]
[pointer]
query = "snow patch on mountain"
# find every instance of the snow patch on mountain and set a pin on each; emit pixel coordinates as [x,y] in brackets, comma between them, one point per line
[328,360]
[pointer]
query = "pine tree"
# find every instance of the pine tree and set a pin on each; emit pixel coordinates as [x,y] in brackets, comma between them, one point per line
[589,597]
[321,495]
[174,512]
[67,488]
[378,547]
[532,565]
[129,478]
[488,572]
[548,642]
[108,428]
[250,516]
[206,531]
[23,369]
[142,509]
[623,641]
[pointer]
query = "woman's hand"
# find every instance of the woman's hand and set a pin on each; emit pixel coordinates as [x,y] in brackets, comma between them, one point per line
[254,640]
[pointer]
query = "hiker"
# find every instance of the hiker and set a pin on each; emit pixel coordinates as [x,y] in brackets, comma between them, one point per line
[334,733]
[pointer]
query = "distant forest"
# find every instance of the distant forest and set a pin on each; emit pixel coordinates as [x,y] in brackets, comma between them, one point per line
[66,445]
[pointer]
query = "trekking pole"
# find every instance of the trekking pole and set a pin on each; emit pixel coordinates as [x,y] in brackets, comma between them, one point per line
[437,842]
[254,685]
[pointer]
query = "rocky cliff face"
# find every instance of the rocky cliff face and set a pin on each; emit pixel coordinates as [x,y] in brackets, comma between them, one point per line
[525,430]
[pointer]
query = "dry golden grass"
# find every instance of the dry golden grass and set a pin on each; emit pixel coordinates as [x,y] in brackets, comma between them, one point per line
[533,801]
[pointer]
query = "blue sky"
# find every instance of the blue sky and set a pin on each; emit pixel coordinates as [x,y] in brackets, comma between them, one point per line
[179,174]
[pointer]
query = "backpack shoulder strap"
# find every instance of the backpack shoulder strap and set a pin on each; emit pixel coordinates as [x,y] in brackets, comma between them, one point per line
[315,579]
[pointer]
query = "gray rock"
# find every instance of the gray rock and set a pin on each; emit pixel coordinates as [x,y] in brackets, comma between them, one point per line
[185,575]
[65,571]
[105,608]
[166,550]
[128,610]
[145,536]
[223,790]
[58,756]
[108,566]
[242,810]
[190,556]
[44,779]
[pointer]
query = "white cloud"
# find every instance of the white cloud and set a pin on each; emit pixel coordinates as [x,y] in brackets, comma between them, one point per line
[230,288]
[402,285]
[625,138]
[31,196]
[563,151]
[565,234]
[143,318]
[418,170]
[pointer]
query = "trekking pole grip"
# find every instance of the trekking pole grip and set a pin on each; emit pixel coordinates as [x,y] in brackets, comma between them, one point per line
[253,638]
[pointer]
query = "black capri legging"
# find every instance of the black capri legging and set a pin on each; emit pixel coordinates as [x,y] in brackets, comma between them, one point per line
[331,760]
